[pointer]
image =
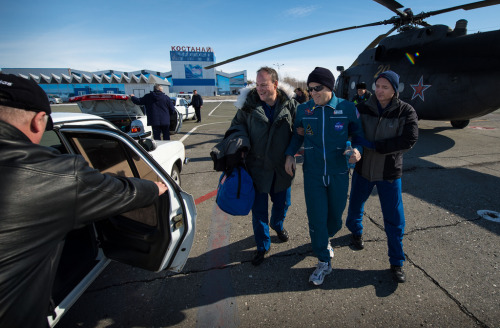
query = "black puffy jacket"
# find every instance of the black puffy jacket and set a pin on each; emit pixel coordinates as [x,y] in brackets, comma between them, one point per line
[393,133]
[45,195]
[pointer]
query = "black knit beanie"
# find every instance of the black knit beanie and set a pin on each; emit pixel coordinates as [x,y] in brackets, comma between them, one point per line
[322,76]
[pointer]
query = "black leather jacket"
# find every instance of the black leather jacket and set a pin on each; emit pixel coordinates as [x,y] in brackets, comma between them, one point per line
[44,195]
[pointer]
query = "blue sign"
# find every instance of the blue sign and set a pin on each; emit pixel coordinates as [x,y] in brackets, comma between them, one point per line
[191,56]
[193,71]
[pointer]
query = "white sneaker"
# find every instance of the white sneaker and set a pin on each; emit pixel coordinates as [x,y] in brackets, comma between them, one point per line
[322,269]
[330,249]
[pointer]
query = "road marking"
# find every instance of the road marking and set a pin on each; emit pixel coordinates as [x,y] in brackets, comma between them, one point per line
[209,114]
[196,127]
[203,198]
[217,303]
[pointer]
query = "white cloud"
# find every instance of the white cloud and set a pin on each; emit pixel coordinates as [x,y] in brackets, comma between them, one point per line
[300,11]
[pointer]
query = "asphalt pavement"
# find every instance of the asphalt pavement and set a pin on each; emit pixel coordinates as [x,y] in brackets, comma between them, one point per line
[452,253]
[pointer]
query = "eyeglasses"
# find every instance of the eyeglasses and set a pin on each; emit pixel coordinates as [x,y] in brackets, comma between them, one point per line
[317,88]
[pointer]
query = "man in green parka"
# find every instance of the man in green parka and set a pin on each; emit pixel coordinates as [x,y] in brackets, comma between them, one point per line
[267,113]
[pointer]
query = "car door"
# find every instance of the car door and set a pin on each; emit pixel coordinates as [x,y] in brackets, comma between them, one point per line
[154,238]
[175,121]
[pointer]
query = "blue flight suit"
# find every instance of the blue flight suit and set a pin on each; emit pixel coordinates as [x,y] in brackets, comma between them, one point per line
[326,175]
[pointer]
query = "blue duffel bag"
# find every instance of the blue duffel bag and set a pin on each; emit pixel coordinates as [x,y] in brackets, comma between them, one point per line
[235,193]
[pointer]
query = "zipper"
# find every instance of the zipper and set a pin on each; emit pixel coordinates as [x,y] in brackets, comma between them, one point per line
[323,138]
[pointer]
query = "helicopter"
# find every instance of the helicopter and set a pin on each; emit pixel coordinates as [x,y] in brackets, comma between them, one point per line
[445,74]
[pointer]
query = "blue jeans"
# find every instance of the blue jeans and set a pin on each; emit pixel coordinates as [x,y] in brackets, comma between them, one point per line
[158,130]
[391,202]
[260,215]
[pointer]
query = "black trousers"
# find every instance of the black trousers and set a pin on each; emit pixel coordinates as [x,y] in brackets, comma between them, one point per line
[198,115]
[158,130]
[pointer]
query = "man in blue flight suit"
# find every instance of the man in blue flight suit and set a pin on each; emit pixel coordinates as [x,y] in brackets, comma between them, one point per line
[328,122]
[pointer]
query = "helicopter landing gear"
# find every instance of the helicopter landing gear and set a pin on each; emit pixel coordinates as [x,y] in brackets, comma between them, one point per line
[460,124]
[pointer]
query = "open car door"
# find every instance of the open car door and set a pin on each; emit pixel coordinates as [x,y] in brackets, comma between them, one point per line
[154,238]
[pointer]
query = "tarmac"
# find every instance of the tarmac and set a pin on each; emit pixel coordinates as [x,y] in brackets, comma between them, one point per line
[452,253]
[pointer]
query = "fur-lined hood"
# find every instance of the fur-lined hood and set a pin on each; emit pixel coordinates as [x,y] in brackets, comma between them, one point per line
[284,90]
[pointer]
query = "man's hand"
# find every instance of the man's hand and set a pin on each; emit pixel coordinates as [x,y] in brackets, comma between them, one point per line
[300,131]
[290,165]
[355,156]
[161,187]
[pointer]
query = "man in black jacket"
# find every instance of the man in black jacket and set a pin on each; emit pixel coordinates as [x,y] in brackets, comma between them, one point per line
[391,129]
[197,103]
[159,107]
[362,94]
[45,195]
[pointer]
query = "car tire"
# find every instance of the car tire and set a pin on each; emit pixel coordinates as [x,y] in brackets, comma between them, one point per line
[176,174]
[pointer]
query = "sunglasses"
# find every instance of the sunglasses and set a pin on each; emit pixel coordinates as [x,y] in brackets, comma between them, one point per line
[317,88]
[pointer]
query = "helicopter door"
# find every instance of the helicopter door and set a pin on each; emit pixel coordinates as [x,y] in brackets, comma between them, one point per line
[342,86]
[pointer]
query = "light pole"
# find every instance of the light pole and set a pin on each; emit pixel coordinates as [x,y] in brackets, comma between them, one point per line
[278,65]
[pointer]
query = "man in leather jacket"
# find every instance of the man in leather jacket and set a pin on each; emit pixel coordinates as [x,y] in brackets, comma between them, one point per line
[45,195]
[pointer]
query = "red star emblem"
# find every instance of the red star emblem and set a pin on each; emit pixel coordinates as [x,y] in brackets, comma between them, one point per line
[418,89]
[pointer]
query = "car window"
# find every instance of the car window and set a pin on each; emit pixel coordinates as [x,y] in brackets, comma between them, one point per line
[110,156]
[183,102]
[51,139]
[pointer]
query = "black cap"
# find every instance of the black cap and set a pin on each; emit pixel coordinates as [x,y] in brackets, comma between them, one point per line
[361,85]
[322,76]
[18,92]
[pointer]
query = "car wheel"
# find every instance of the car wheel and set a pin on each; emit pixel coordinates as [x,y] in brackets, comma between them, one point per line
[176,174]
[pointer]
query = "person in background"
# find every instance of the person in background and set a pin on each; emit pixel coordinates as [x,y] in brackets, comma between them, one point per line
[159,107]
[362,94]
[300,96]
[266,113]
[327,123]
[391,129]
[45,195]
[197,103]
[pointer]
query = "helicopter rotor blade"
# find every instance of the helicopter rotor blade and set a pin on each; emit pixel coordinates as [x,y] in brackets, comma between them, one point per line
[469,6]
[392,5]
[297,40]
[380,37]
[375,42]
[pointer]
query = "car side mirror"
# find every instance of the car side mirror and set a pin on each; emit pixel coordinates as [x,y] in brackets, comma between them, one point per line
[148,144]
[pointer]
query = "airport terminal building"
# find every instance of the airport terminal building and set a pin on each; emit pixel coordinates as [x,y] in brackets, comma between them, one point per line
[187,74]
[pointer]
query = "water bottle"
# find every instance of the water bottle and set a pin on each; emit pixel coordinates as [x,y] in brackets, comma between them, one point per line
[348,152]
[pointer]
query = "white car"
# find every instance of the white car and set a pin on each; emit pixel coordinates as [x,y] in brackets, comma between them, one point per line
[155,238]
[183,107]
[120,110]
[187,96]
[53,99]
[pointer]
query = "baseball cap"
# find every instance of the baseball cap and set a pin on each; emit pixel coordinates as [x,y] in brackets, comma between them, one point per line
[18,92]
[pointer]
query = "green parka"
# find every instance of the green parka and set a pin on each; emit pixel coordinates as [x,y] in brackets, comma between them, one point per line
[268,141]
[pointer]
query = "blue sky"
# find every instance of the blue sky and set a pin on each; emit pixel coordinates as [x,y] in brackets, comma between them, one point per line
[132,35]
